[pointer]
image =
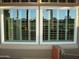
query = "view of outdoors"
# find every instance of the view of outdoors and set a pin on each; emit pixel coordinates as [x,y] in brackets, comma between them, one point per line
[58,24]
[57,1]
[20,24]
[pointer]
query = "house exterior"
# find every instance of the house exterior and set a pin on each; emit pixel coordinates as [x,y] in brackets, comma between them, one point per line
[29,25]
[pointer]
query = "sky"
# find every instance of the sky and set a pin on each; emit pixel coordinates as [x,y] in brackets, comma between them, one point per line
[22,13]
[58,13]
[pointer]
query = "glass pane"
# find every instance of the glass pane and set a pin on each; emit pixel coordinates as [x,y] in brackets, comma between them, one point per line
[33,0]
[77,1]
[71,16]
[44,0]
[5,0]
[62,1]
[49,24]
[53,24]
[9,21]
[15,0]
[32,24]
[20,25]
[25,0]
[45,24]
[53,0]
[71,1]
[62,23]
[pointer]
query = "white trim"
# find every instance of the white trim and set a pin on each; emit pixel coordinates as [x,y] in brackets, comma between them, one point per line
[41,26]
[57,25]
[18,7]
[56,43]
[37,26]
[20,28]
[2,25]
[66,24]
[29,29]
[49,18]
[76,26]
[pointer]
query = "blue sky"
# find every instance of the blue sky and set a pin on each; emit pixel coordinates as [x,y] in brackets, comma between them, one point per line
[22,13]
[58,13]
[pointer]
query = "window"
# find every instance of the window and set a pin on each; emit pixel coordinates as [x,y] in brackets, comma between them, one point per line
[77,1]
[5,0]
[44,0]
[20,25]
[57,25]
[53,0]
[71,1]
[29,0]
[25,0]
[26,25]
[49,0]
[15,0]
[62,1]
[33,0]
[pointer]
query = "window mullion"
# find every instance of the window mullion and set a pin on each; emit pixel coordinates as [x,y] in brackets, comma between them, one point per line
[20,28]
[66,24]
[57,25]
[49,24]
[29,29]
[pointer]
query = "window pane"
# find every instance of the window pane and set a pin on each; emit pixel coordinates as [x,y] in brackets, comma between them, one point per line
[32,23]
[25,0]
[5,0]
[20,25]
[15,0]
[33,0]
[71,16]
[62,23]
[53,0]
[23,33]
[71,1]
[53,24]
[62,1]
[9,21]
[44,0]
[45,25]
[77,1]
[49,24]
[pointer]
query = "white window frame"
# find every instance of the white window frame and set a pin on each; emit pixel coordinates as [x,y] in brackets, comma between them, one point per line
[41,26]
[2,24]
